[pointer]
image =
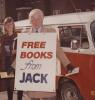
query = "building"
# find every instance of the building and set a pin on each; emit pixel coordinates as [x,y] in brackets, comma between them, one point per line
[2,10]
[19,9]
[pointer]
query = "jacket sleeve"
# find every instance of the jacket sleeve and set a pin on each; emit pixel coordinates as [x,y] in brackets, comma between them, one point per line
[14,44]
[60,52]
[14,47]
[2,54]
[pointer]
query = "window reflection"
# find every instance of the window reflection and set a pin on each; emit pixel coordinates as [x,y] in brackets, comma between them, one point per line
[93,31]
[69,33]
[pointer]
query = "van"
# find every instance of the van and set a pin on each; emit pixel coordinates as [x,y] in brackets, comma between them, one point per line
[77,38]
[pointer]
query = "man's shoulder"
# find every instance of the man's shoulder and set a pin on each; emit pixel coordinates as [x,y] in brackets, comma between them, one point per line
[49,29]
[44,29]
[26,30]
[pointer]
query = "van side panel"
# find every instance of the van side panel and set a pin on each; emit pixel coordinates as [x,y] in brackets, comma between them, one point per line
[85,79]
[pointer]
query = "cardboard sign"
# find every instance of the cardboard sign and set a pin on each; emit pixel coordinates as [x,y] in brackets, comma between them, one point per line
[36,62]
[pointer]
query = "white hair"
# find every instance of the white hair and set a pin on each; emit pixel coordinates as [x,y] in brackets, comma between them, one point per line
[36,12]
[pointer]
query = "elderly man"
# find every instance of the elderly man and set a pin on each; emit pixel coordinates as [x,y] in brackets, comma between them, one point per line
[36,17]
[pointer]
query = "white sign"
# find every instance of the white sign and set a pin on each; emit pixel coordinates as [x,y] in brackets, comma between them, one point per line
[36,62]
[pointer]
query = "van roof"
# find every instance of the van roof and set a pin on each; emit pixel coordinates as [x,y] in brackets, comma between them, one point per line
[71,18]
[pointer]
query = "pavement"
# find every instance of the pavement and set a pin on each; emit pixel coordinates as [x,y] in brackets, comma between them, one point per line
[3,95]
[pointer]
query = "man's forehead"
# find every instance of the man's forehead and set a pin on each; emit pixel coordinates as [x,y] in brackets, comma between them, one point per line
[36,16]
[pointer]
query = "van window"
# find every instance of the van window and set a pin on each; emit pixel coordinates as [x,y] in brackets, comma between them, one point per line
[93,31]
[69,33]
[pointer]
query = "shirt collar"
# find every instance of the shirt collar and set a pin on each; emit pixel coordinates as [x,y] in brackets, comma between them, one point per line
[34,30]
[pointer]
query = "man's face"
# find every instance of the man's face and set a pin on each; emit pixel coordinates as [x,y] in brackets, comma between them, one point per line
[36,21]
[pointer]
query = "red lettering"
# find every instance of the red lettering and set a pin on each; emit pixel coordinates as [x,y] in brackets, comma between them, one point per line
[42,45]
[33,44]
[30,45]
[23,55]
[29,54]
[24,44]
[49,55]
[36,44]
[43,55]
[37,55]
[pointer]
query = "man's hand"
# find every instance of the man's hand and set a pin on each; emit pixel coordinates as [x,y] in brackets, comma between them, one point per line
[10,70]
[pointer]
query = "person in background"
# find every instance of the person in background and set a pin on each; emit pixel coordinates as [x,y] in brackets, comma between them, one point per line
[8,53]
[36,18]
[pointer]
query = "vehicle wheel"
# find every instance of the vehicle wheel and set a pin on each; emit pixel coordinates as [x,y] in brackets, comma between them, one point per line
[70,92]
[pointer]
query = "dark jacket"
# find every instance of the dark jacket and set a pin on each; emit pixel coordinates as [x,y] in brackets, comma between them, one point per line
[6,59]
[7,43]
